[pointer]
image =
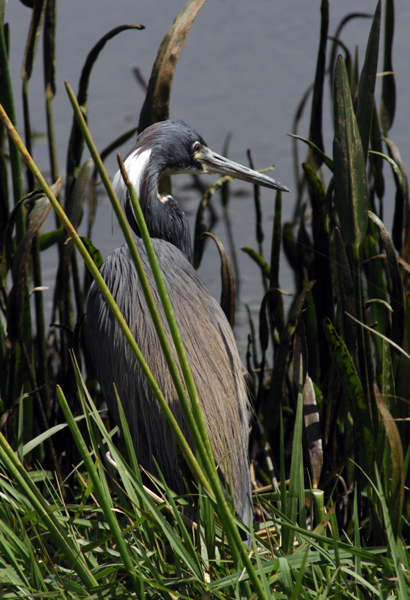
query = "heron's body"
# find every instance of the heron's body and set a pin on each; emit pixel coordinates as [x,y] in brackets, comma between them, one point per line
[172,146]
[208,342]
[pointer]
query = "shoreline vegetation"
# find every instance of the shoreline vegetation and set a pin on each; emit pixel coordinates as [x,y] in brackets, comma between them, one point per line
[330,377]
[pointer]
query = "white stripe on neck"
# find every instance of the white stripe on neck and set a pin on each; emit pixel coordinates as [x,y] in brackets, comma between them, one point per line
[135,166]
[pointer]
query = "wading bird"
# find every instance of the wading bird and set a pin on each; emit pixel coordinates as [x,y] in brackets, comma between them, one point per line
[172,147]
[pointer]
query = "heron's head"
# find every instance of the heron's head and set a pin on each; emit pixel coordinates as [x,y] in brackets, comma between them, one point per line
[175,147]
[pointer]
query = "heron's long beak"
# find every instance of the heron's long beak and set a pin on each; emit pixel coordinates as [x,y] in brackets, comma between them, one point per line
[215,163]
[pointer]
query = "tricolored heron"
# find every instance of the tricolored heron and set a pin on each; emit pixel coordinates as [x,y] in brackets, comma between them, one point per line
[171,147]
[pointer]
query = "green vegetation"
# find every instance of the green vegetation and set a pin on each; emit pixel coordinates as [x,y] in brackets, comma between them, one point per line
[331,378]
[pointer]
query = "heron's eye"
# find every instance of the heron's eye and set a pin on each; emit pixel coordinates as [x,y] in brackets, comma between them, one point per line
[196,147]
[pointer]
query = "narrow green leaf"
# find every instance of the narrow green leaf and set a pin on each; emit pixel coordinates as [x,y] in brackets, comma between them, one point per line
[282,354]
[332,59]
[376,288]
[34,33]
[354,391]
[228,286]
[344,290]
[401,218]
[328,161]
[376,162]
[46,240]
[49,49]
[156,104]
[36,219]
[323,290]
[276,302]
[365,97]
[349,164]
[397,300]
[258,259]
[93,252]
[315,129]
[388,103]
[76,143]
[200,225]
[402,584]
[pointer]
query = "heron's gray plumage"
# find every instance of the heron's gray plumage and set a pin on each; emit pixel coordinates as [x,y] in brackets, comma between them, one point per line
[212,355]
[172,147]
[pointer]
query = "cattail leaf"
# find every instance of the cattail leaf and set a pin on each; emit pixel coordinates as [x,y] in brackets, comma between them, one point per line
[32,40]
[387,379]
[46,240]
[355,77]
[290,246]
[401,218]
[344,290]
[354,391]
[316,121]
[200,225]
[37,216]
[93,252]
[323,290]
[376,288]
[388,103]
[398,172]
[256,200]
[365,97]
[276,242]
[402,382]
[156,104]
[76,143]
[376,161]
[333,52]
[298,116]
[393,465]
[74,205]
[228,286]
[49,48]
[8,246]
[259,260]
[399,221]
[328,161]
[397,300]
[264,323]
[349,164]
[277,304]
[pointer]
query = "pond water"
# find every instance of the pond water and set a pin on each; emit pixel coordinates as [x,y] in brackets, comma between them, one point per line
[243,69]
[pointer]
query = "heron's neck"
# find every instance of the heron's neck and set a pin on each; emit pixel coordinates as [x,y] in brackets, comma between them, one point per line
[164,218]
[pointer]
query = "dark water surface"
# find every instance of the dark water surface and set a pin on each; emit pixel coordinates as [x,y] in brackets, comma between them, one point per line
[243,69]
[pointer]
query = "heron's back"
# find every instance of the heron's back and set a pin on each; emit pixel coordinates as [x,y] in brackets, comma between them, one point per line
[212,355]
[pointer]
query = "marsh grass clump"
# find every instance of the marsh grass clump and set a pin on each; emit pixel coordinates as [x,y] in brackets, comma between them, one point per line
[329,442]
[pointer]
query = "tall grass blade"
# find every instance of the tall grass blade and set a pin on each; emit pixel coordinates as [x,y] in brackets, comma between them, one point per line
[100,490]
